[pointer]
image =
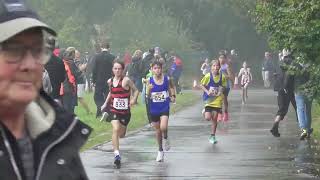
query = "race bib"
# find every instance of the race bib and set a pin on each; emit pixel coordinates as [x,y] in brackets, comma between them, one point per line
[214,90]
[159,96]
[120,103]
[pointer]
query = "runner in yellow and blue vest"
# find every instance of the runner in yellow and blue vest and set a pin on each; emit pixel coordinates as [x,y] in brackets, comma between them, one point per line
[161,91]
[213,85]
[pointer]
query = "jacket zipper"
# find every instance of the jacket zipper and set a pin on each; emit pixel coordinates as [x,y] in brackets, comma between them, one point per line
[46,151]
[12,160]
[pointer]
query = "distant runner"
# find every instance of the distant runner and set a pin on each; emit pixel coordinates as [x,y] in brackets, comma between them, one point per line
[226,70]
[246,79]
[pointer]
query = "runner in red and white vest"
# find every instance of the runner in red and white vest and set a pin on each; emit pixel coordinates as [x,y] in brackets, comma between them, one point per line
[117,106]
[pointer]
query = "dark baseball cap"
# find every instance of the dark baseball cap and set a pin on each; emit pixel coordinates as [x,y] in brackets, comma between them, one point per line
[16,17]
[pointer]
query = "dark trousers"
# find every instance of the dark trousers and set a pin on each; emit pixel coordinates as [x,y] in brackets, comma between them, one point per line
[69,101]
[177,84]
[100,95]
[148,110]
[138,84]
[284,100]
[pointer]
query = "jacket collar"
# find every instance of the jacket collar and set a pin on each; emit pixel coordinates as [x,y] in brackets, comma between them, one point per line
[45,118]
[40,116]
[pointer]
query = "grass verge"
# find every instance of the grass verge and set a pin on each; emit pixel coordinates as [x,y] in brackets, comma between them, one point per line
[102,131]
[316,120]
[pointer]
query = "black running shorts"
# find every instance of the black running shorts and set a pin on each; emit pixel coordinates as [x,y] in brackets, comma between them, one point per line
[124,119]
[212,109]
[156,118]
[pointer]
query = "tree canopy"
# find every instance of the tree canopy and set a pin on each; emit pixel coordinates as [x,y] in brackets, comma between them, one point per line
[210,25]
[294,25]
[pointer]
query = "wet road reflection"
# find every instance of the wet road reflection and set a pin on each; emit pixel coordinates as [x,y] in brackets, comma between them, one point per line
[246,150]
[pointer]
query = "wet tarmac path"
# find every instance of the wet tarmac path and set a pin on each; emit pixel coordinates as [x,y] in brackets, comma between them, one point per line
[245,150]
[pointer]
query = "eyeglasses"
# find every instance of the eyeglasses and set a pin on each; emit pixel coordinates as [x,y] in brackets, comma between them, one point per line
[14,53]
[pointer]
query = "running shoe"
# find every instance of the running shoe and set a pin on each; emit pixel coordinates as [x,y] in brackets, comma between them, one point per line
[309,133]
[166,144]
[220,118]
[274,130]
[226,117]
[160,156]
[304,134]
[213,139]
[117,161]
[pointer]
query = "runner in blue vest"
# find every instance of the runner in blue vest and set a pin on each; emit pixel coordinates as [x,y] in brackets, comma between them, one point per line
[161,91]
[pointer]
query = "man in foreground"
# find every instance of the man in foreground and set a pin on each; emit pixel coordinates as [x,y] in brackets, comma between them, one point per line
[38,139]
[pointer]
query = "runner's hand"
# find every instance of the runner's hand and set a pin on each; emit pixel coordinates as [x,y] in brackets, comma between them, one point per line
[132,102]
[173,99]
[210,93]
[103,107]
[150,86]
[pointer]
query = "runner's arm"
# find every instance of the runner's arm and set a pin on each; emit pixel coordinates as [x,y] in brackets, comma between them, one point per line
[202,67]
[172,87]
[204,89]
[109,95]
[106,102]
[240,73]
[148,87]
[172,91]
[134,91]
[223,86]
[230,74]
[204,81]
[250,76]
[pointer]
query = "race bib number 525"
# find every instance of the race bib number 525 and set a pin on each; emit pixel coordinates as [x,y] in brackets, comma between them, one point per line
[120,103]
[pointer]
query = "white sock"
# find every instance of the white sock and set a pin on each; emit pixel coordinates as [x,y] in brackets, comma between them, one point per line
[116,152]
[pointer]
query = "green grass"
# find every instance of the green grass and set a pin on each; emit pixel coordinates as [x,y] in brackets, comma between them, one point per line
[102,131]
[316,120]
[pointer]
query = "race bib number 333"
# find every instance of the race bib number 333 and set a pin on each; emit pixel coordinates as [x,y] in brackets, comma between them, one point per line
[159,96]
[120,103]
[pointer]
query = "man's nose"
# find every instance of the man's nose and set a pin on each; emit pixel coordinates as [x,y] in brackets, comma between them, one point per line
[28,61]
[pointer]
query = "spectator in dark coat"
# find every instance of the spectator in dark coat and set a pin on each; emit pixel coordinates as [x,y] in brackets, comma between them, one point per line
[90,67]
[285,87]
[56,71]
[134,69]
[68,89]
[267,69]
[147,61]
[101,72]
